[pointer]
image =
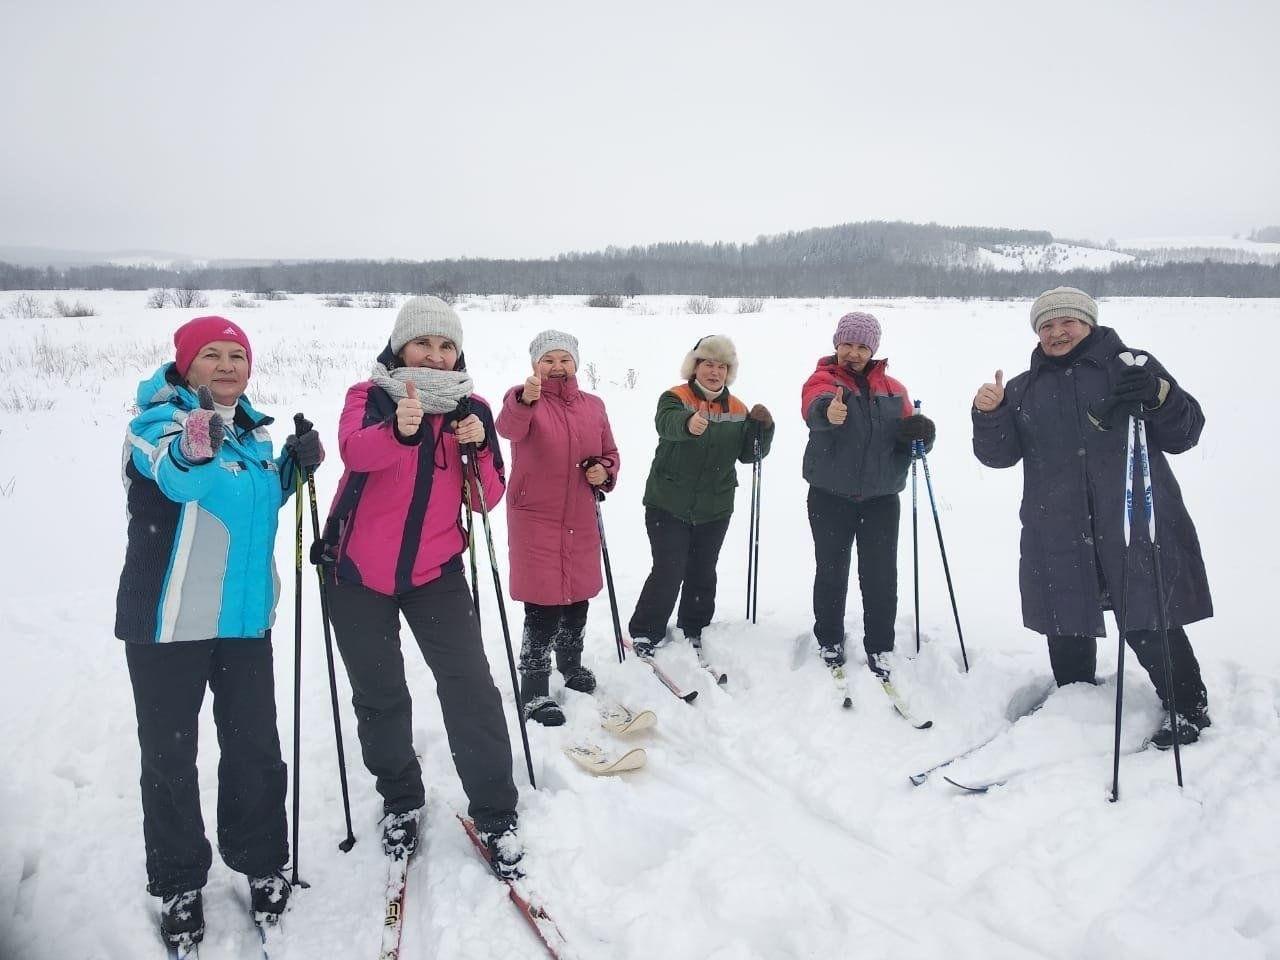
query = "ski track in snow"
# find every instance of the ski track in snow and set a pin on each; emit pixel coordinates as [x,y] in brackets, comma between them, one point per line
[768,823]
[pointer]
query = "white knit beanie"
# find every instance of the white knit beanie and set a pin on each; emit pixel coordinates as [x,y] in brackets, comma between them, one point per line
[425,317]
[549,340]
[1064,302]
[716,347]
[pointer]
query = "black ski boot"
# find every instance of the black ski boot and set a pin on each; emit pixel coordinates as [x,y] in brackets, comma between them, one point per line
[268,897]
[878,663]
[576,676]
[182,918]
[400,833]
[505,849]
[1189,728]
[833,655]
[535,702]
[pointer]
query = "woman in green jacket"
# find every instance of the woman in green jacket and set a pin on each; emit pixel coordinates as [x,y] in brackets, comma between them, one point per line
[703,432]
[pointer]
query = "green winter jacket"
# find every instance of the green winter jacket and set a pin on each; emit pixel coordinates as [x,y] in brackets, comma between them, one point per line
[694,478]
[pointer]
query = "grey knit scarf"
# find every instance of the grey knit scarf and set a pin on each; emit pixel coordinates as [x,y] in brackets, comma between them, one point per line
[438,390]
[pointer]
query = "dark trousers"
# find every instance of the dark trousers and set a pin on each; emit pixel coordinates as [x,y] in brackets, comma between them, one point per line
[837,523]
[684,564]
[559,626]
[169,681]
[366,626]
[1075,659]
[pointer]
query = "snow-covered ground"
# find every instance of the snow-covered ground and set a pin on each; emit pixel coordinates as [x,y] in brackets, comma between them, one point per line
[1049,256]
[768,823]
[1209,242]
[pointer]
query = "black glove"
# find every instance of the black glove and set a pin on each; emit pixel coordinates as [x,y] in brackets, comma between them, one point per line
[304,445]
[916,427]
[1136,384]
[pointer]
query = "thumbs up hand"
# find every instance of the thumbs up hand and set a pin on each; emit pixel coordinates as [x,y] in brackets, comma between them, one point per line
[203,431]
[990,395]
[698,422]
[409,411]
[837,410]
[532,390]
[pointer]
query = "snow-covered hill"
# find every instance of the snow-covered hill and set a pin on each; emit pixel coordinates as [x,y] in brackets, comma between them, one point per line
[769,824]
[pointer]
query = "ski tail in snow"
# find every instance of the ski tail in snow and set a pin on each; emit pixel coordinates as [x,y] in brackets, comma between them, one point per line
[842,686]
[688,696]
[720,677]
[393,915]
[535,915]
[900,705]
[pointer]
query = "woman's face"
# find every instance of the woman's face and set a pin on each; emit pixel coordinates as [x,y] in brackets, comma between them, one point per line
[1059,336]
[223,367]
[853,356]
[438,353]
[555,365]
[711,374]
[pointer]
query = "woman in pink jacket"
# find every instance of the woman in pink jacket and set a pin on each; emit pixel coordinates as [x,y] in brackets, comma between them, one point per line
[562,450]
[393,547]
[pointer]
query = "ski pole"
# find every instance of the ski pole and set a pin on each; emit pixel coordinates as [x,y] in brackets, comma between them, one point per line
[917,451]
[598,496]
[301,426]
[753,564]
[297,666]
[1124,604]
[1136,449]
[471,458]
[1161,615]
[471,542]
[946,568]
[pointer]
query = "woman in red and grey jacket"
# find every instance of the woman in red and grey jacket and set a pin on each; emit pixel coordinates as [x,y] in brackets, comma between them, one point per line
[393,547]
[861,427]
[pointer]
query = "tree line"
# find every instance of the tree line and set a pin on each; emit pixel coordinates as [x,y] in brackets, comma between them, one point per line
[875,259]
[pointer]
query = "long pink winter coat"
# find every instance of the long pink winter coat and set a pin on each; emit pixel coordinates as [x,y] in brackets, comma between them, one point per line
[551,516]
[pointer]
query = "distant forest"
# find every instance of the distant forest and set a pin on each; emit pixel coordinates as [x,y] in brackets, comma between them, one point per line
[875,259]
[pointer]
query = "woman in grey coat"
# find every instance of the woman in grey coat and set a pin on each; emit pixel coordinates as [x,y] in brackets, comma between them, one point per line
[1066,420]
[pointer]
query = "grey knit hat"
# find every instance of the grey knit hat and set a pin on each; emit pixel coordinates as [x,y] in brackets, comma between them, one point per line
[1064,302]
[549,340]
[425,317]
[715,347]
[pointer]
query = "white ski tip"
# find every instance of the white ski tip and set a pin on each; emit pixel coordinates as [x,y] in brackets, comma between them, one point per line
[622,721]
[599,763]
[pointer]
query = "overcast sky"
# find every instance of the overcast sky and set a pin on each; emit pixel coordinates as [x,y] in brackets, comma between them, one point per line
[527,128]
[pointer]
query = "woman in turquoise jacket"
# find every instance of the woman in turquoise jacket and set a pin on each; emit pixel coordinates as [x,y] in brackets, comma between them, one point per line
[195,607]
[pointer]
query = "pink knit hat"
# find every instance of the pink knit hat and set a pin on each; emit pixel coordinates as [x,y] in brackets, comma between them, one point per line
[858,328]
[190,338]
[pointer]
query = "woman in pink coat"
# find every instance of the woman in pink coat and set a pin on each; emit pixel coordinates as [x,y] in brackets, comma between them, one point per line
[393,550]
[561,450]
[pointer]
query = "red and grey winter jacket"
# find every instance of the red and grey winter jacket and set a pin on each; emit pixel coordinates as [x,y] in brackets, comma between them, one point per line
[394,524]
[862,457]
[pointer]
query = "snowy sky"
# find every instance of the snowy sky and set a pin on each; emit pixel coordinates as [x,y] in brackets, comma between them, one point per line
[497,128]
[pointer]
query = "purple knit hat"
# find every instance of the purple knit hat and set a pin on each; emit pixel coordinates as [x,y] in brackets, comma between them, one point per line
[858,327]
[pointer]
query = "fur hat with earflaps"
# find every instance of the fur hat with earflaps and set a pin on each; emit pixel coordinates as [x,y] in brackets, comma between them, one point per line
[715,347]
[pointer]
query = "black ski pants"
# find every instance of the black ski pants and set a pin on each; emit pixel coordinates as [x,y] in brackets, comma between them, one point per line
[366,626]
[684,564]
[169,680]
[837,524]
[560,626]
[1075,659]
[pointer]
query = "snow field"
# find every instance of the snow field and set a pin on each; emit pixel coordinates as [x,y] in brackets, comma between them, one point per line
[768,823]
